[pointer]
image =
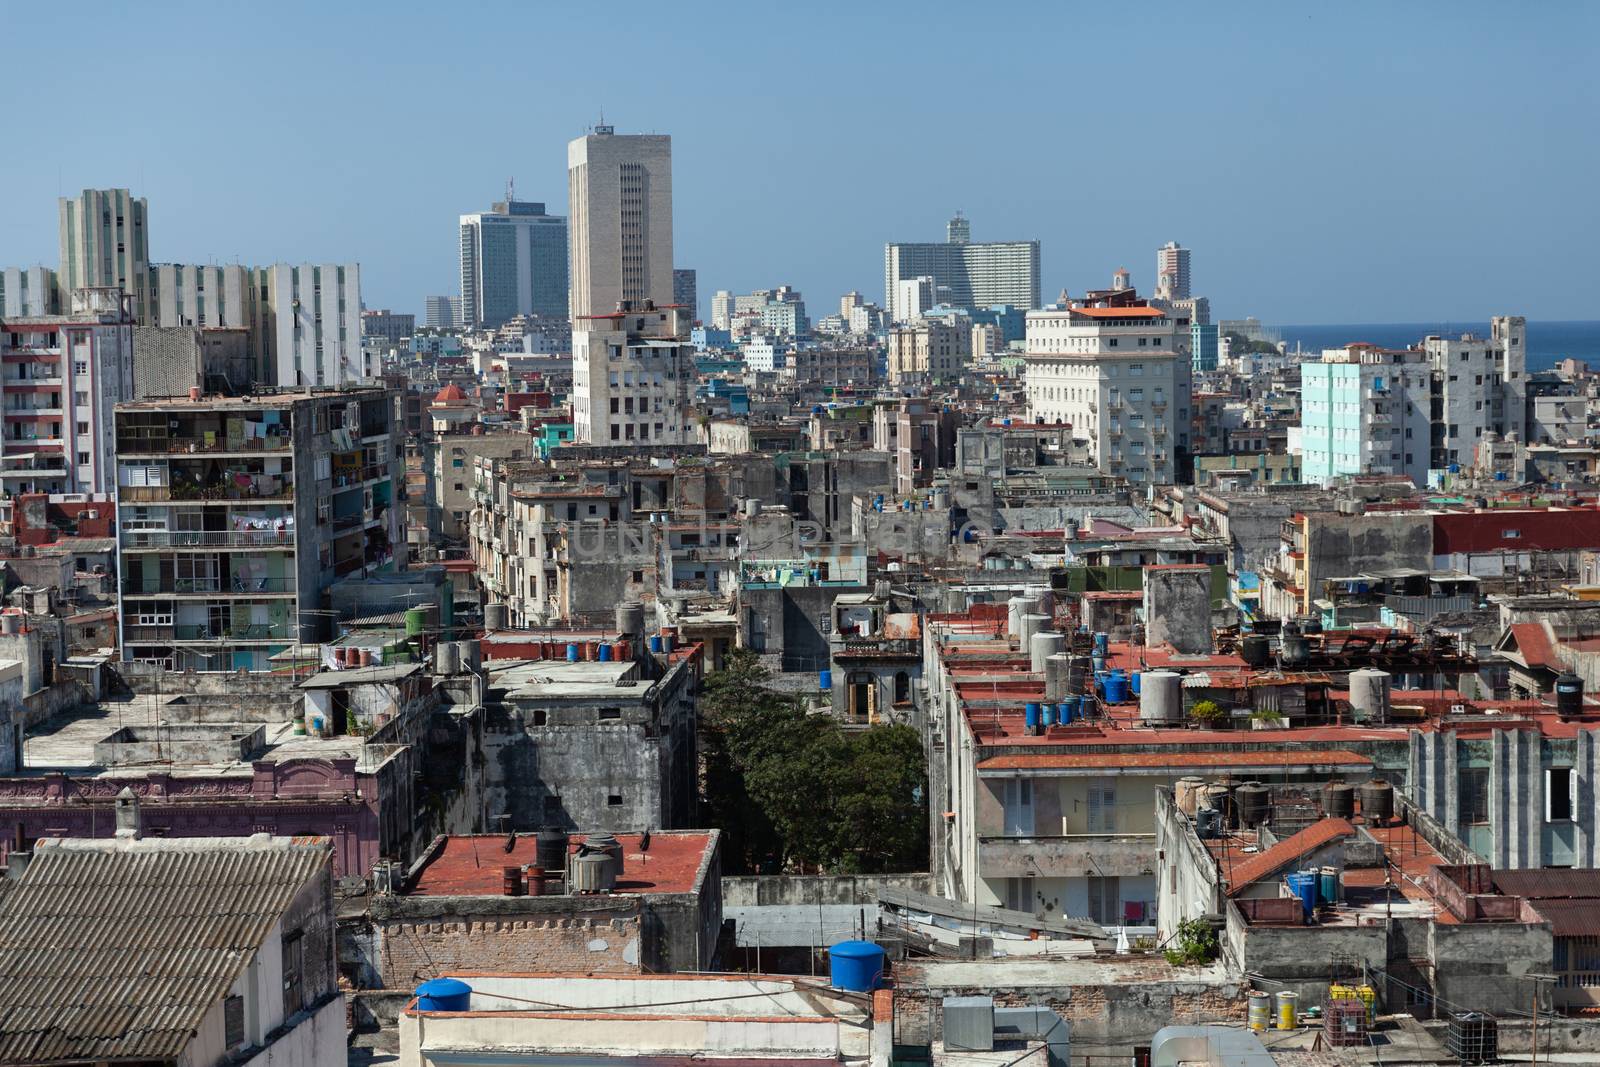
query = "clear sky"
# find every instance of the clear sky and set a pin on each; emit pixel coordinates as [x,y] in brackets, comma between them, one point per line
[1349,162]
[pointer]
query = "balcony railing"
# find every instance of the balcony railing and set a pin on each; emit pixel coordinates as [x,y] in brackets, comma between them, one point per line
[208,538]
[206,632]
[134,446]
[236,585]
[184,491]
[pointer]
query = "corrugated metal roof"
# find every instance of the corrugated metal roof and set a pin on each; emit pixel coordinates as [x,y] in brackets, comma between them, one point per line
[1571,918]
[116,950]
[1537,884]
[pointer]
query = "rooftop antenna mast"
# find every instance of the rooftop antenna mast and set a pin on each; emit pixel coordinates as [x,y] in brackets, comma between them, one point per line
[511,189]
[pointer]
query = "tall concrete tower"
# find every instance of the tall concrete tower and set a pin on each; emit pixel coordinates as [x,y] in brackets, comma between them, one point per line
[1172,272]
[105,241]
[620,199]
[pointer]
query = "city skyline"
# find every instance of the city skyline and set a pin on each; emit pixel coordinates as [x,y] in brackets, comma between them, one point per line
[1293,187]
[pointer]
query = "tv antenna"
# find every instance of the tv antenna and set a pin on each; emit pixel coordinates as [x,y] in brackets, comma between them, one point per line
[511,189]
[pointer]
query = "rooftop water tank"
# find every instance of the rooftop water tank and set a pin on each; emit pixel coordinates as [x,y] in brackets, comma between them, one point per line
[444,994]
[1569,696]
[1041,647]
[1253,800]
[495,617]
[550,847]
[1377,801]
[1369,695]
[856,966]
[1338,800]
[1255,650]
[1032,623]
[1161,697]
[446,658]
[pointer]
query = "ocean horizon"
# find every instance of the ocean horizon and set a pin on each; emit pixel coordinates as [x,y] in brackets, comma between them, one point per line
[1549,341]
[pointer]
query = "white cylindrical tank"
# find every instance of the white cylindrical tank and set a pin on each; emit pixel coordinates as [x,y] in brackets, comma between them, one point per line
[446,658]
[1032,623]
[1186,793]
[1016,608]
[1369,695]
[1044,601]
[1160,696]
[470,654]
[1041,647]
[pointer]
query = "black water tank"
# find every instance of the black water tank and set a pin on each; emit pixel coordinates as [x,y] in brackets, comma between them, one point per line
[1569,696]
[1253,800]
[550,845]
[1292,645]
[1473,1037]
[1255,650]
[1338,800]
[1377,801]
[1311,624]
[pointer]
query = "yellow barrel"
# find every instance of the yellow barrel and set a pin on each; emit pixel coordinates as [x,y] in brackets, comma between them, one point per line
[1288,1010]
[1260,1010]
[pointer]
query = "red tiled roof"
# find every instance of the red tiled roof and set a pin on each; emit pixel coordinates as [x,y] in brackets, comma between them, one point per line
[1215,760]
[1288,851]
[1533,643]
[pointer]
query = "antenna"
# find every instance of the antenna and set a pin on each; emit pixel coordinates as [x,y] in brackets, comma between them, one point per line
[511,189]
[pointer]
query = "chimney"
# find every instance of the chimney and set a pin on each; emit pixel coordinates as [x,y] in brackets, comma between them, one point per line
[127,815]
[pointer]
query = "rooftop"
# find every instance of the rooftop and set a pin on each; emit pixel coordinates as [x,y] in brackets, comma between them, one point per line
[675,861]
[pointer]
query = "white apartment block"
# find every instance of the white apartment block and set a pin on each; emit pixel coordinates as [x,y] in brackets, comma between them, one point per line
[965,275]
[314,319]
[631,375]
[620,199]
[927,352]
[1479,385]
[1364,410]
[722,309]
[912,297]
[761,354]
[105,241]
[1112,374]
[28,291]
[63,376]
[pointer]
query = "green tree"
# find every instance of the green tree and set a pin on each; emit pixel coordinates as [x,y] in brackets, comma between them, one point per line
[789,788]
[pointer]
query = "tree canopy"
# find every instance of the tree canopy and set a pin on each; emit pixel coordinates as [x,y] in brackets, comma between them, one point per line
[794,790]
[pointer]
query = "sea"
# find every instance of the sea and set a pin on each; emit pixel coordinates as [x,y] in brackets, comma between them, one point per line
[1548,342]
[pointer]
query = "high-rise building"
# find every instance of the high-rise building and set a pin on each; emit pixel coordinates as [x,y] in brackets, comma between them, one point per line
[849,302]
[105,241]
[620,196]
[314,323]
[391,326]
[1110,373]
[442,312]
[722,307]
[513,262]
[685,292]
[29,291]
[1364,410]
[930,351]
[912,297]
[236,514]
[965,274]
[1172,272]
[1480,385]
[63,374]
[1204,347]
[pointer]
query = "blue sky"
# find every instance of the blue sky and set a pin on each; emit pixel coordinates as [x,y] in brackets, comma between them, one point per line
[1347,162]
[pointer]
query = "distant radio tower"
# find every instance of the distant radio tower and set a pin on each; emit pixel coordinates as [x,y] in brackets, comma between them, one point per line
[511,189]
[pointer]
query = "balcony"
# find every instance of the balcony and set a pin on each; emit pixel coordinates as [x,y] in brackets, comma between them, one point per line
[136,539]
[1066,856]
[206,632]
[164,446]
[260,488]
[238,585]
[879,648]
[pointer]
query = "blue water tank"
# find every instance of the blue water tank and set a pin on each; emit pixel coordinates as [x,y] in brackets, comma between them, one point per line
[444,994]
[1068,711]
[1005,422]
[605,652]
[1303,884]
[1102,643]
[655,643]
[572,652]
[856,966]
[1133,682]
[1030,714]
[1116,688]
[825,681]
[1047,714]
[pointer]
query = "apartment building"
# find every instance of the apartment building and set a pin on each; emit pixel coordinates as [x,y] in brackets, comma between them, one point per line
[1365,410]
[631,373]
[29,291]
[1113,375]
[965,274]
[513,262]
[930,351]
[105,243]
[1480,385]
[236,514]
[61,375]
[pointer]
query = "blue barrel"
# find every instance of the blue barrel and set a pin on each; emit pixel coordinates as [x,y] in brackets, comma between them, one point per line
[1328,885]
[1030,714]
[1116,688]
[655,643]
[605,652]
[1067,712]
[444,994]
[1304,886]
[1047,714]
[825,681]
[1102,643]
[856,966]
[1133,682]
[572,652]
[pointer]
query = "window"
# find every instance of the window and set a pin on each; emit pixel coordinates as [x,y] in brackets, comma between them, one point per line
[1473,795]
[80,366]
[293,964]
[613,800]
[541,717]
[459,486]
[1558,805]
[608,713]
[81,396]
[233,1021]
[83,427]
[1510,535]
